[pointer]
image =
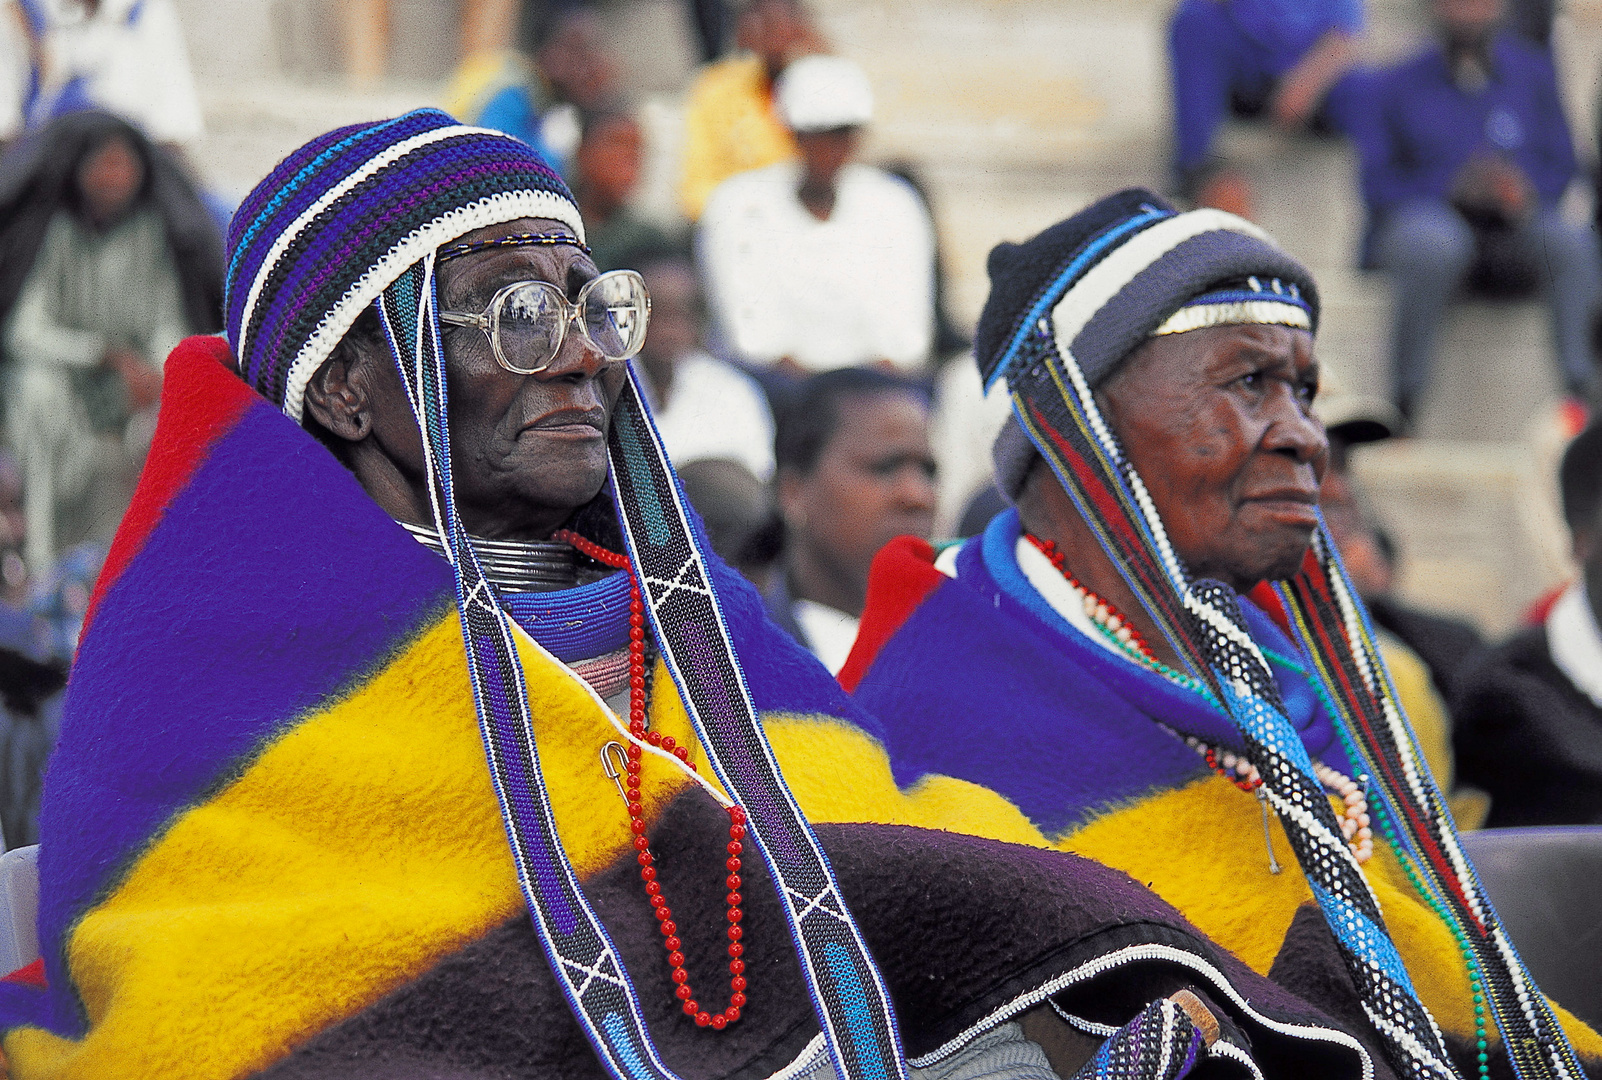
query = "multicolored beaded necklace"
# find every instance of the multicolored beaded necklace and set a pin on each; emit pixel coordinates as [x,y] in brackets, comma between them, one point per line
[1117,628]
[638,692]
[1113,624]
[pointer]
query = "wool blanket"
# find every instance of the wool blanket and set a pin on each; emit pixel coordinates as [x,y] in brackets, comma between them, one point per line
[270,843]
[977,676]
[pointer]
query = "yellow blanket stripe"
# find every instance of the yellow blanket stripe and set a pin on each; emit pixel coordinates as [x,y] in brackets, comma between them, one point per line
[358,850]
[1201,848]
[366,844]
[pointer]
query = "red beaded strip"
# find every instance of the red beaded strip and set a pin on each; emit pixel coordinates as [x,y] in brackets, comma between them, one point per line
[637,727]
[1250,783]
[1048,548]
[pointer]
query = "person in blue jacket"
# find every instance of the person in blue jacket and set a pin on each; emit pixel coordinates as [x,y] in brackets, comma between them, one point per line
[1287,60]
[1466,154]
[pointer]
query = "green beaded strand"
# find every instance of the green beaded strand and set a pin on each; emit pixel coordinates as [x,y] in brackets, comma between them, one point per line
[1476,984]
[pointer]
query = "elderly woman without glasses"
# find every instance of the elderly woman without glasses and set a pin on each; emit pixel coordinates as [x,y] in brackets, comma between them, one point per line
[457,755]
[1094,655]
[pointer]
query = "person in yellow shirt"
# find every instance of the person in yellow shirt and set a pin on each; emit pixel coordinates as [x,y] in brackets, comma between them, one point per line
[731,124]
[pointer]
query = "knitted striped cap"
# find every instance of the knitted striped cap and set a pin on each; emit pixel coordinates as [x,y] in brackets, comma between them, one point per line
[1108,277]
[341,218]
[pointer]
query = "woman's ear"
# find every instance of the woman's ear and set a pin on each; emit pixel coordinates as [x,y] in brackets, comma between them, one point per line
[337,397]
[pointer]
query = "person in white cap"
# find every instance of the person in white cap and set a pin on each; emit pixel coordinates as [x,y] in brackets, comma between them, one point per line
[821,263]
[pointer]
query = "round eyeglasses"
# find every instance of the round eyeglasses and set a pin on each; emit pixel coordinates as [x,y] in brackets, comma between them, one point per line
[526,322]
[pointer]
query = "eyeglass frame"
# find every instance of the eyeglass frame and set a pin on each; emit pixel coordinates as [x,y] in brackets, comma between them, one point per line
[489,320]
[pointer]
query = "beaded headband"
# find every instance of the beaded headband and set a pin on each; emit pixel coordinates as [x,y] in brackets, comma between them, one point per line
[1253,302]
[456,251]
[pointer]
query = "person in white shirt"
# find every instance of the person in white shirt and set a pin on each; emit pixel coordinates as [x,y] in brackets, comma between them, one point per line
[704,408]
[126,57]
[855,472]
[821,263]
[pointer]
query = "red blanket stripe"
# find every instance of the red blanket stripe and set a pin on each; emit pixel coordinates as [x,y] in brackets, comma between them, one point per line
[902,577]
[201,387]
[30,975]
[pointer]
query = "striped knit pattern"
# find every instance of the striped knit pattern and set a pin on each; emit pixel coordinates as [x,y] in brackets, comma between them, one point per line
[1052,394]
[341,218]
[1159,1044]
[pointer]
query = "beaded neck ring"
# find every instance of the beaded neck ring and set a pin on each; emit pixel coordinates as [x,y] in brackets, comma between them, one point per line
[629,787]
[467,247]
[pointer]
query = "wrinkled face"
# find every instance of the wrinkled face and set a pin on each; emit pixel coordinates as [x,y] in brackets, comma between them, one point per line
[523,445]
[109,179]
[874,481]
[1218,423]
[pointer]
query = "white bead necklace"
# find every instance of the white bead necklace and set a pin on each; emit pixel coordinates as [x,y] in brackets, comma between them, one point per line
[1355,824]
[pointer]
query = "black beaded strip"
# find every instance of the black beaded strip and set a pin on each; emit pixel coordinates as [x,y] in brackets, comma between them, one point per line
[467,247]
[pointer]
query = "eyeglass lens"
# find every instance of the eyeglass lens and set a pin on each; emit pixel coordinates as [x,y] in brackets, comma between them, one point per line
[532,319]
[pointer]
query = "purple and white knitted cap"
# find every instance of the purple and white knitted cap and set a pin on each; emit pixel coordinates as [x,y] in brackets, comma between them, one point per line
[344,216]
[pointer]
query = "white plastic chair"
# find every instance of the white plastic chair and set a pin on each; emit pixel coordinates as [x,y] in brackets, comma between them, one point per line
[19,908]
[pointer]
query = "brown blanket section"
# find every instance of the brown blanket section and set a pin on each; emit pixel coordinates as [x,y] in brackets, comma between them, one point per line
[962,929]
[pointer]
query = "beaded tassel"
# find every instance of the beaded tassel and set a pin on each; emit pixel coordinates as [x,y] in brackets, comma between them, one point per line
[653,890]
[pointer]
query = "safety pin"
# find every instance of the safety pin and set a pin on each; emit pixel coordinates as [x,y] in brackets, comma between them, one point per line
[615,770]
[1268,837]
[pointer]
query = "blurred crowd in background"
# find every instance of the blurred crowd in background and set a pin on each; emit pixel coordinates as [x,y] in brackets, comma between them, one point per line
[806,375]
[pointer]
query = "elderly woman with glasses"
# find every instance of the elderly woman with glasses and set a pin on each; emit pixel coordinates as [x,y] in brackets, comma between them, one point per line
[454,752]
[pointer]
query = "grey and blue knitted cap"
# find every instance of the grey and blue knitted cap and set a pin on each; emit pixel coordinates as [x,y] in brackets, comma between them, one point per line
[1120,271]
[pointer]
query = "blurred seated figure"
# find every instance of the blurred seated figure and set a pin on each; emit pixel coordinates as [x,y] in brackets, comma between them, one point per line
[125,57]
[822,263]
[41,640]
[705,408]
[1466,154]
[737,510]
[539,99]
[606,170]
[731,122]
[1349,420]
[107,259]
[855,471]
[13,537]
[1352,419]
[1284,58]
[1529,714]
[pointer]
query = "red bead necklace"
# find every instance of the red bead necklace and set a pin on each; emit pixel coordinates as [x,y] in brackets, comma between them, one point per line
[653,891]
[1095,605]
[1114,624]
